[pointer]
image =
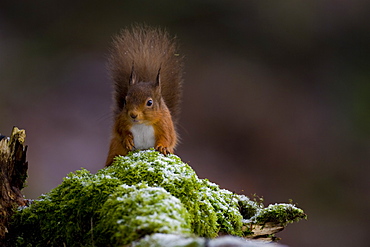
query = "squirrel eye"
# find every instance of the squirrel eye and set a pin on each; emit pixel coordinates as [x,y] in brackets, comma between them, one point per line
[149,102]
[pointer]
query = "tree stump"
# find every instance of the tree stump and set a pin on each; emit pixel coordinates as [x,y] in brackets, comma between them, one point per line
[13,174]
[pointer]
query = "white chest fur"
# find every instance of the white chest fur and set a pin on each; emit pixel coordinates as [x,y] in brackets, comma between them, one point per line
[143,136]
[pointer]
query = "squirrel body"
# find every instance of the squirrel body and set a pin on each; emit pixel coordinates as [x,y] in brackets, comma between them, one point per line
[147,72]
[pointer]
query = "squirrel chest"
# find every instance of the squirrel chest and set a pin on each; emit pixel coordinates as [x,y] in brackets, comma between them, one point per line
[143,136]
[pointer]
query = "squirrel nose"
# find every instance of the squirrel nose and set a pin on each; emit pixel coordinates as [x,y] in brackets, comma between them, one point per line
[133,116]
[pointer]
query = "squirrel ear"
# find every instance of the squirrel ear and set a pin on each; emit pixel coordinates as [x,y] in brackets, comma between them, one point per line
[132,80]
[158,80]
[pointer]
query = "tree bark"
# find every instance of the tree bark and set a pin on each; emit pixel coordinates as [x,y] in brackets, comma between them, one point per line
[13,174]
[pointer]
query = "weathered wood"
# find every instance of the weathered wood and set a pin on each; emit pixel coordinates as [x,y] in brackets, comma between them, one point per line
[264,232]
[13,174]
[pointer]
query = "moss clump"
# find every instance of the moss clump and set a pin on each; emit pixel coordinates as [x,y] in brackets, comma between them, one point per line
[176,177]
[279,213]
[142,193]
[140,210]
[67,214]
[249,208]
[225,205]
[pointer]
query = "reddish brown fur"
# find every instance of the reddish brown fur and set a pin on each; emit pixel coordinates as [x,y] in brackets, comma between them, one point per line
[146,50]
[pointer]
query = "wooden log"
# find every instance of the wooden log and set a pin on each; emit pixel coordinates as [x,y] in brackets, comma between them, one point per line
[13,174]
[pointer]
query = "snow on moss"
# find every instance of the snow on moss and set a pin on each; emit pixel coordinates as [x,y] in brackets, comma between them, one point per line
[282,213]
[142,193]
[140,210]
[171,240]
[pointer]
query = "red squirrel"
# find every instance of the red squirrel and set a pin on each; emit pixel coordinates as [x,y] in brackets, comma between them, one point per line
[147,71]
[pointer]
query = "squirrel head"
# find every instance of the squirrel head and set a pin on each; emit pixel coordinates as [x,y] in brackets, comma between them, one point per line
[143,100]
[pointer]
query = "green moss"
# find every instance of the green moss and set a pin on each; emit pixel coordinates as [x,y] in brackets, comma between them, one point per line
[67,213]
[225,205]
[142,193]
[279,213]
[176,177]
[139,210]
[248,208]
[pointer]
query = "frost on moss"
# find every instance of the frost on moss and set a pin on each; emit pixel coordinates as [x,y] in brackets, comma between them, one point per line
[139,210]
[140,194]
[279,213]
[169,240]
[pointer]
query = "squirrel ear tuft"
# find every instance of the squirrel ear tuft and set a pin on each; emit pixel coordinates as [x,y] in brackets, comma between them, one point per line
[158,79]
[132,80]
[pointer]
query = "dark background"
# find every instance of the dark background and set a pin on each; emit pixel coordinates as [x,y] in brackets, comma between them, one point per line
[276,98]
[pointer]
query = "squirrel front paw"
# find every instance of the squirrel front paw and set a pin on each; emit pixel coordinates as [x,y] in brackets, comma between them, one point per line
[128,142]
[163,150]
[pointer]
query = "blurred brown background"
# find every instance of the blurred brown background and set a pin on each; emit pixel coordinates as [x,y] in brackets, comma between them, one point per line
[276,98]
